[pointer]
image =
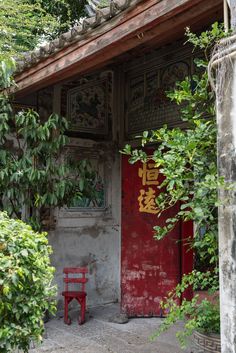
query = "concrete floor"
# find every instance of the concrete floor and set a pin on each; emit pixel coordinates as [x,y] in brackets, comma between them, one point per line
[100,335]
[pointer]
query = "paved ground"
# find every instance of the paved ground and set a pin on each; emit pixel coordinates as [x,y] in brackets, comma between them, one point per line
[100,335]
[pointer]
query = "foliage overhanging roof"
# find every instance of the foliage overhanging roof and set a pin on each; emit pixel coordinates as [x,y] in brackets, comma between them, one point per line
[97,16]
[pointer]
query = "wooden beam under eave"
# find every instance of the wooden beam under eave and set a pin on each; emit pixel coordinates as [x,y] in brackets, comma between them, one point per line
[151,23]
[197,24]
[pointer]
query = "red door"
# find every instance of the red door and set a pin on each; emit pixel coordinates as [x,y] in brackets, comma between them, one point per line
[149,268]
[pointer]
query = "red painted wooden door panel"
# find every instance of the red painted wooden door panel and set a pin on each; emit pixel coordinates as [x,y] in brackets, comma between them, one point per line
[149,268]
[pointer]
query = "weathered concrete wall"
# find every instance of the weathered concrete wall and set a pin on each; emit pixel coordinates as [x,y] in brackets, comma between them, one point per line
[89,237]
[226,119]
[95,247]
[92,238]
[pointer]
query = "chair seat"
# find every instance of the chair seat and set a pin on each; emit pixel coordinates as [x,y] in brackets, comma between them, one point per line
[74,294]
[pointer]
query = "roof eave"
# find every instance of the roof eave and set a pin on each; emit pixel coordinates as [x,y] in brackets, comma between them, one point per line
[149,18]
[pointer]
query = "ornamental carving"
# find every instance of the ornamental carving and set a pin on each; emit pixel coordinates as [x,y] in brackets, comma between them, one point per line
[206,343]
[88,106]
[147,106]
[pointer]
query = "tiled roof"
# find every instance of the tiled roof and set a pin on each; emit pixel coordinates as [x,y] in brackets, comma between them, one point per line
[97,15]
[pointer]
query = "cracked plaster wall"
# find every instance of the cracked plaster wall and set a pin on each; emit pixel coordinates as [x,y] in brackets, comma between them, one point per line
[89,238]
[92,239]
[226,115]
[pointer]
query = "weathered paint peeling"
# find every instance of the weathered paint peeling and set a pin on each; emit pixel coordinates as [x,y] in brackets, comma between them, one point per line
[149,268]
[226,119]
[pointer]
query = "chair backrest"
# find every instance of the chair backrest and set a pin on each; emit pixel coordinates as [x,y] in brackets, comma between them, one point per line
[73,271]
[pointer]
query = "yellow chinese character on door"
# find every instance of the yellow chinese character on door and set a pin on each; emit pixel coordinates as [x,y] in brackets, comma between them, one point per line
[147,202]
[149,174]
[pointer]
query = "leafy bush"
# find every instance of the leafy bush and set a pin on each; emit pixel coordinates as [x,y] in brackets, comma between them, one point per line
[36,169]
[201,315]
[26,291]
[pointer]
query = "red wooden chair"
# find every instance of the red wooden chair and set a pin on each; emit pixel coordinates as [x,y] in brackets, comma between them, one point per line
[80,296]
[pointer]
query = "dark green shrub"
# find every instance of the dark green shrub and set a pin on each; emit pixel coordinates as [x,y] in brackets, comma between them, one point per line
[26,289]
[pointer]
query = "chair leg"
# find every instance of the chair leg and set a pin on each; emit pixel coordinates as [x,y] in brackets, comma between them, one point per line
[66,308]
[82,311]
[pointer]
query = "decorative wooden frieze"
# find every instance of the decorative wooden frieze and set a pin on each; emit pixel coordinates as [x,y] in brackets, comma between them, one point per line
[146,104]
[89,105]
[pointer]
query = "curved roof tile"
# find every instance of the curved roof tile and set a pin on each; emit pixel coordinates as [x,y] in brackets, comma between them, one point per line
[97,15]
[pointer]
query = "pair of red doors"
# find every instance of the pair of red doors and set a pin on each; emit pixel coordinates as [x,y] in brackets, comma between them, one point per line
[149,268]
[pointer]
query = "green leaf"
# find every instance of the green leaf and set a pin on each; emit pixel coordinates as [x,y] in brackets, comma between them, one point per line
[24,252]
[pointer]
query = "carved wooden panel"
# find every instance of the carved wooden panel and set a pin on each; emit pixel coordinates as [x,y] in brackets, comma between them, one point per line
[88,104]
[147,106]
